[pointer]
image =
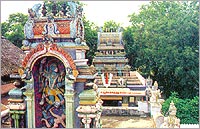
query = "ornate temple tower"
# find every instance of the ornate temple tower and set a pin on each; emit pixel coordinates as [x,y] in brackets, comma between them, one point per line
[118,85]
[55,71]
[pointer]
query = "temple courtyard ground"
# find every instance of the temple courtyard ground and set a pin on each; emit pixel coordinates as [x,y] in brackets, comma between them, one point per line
[126,122]
[120,122]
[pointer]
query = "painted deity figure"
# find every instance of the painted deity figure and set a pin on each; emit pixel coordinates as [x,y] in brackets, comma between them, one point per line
[76,25]
[73,29]
[28,79]
[50,28]
[80,30]
[52,89]
[73,23]
[73,7]
[28,28]
[52,83]
[56,120]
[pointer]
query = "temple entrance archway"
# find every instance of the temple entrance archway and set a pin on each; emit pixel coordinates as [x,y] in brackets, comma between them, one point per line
[53,74]
[49,88]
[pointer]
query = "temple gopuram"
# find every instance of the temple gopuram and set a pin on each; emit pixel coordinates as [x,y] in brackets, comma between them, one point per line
[118,85]
[57,88]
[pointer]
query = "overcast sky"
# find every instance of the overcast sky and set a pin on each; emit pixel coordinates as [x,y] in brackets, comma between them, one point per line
[95,11]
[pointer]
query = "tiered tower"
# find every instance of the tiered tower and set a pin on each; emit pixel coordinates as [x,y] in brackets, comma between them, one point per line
[117,83]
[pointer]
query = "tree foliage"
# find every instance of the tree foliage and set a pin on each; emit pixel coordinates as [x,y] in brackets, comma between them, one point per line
[13,28]
[187,109]
[59,5]
[163,42]
[111,26]
[91,39]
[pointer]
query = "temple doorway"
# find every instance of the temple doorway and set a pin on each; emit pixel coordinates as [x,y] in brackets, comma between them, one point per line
[111,103]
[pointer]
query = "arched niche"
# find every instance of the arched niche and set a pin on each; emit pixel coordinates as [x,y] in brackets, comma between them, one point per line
[49,89]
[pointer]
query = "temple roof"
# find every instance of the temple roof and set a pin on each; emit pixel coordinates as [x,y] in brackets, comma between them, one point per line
[119,78]
[6,88]
[4,110]
[62,26]
[11,57]
[110,39]
[135,81]
[113,60]
[117,47]
[110,36]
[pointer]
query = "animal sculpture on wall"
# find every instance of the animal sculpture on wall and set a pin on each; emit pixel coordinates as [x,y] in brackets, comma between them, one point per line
[34,11]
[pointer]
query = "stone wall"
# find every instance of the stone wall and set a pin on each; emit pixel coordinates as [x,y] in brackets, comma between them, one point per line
[189,126]
[143,106]
[122,111]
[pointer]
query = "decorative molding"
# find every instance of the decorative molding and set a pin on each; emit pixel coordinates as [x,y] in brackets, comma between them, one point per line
[48,50]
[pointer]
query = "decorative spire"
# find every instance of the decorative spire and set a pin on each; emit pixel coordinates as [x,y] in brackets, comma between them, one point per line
[64,9]
[44,10]
[149,82]
[155,83]
[172,108]
[54,9]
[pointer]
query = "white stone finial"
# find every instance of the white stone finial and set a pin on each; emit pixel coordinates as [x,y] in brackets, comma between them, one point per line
[156,83]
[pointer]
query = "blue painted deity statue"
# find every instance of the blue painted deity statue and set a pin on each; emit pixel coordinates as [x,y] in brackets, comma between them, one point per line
[52,89]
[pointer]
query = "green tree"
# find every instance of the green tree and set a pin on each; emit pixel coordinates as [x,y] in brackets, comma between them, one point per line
[187,109]
[59,4]
[111,26]
[4,28]
[13,28]
[130,47]
[165,45]
[91,39]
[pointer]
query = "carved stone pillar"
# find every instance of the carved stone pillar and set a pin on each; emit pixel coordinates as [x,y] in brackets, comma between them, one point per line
[125,101]
[17,108]
[69,101]
[96,124]
[16,116]
[98,116]
[29,100]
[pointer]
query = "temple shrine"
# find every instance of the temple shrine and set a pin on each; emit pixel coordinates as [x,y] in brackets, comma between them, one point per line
[55,88]
[58,89]
[118,85]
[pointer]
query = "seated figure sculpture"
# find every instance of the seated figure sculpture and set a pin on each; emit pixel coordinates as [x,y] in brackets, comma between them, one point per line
[171,121]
